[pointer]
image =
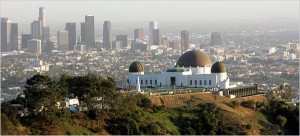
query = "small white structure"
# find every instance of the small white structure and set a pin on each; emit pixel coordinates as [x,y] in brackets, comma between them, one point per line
[68,102]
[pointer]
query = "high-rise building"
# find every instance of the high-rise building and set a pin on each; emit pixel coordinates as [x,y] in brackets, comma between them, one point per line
[24,39]
[139,34]
[82,32]
[89,32]
[42,16]
[71,28]
[156,37]
[152,26]
[14,43]
[34,46]
[5,34]
[107,35]
[123,40]
[216,38]
[46,32]
[185,40]
[174,44]
[63,40]
[36,29]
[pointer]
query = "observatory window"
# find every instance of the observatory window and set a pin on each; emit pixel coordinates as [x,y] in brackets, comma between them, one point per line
[195,82]
[141,82]
[200,82]
[155,82]
[204,82]
[191,82]
[146,82]
[209,82]
[150,82]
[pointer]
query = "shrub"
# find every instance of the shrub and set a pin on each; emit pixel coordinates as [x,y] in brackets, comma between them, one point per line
[248,126]
[234,103]
[281,120]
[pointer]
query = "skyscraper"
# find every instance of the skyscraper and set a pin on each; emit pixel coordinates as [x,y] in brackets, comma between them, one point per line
[24,39]
[89,32]
[14,37]
[34,46]
[139,34]
[36,29]
[46,32]
[216,38]
[107,35]
[71,28]
[152,26]
[42,16]
[156,37]
[82,32]
[185,40]
[5,34]
[174,44]
[123,40]
[63,40]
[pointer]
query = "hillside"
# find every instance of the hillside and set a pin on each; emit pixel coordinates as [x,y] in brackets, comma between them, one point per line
[240,115]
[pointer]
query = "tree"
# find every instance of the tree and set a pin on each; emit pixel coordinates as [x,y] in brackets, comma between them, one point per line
[281,120]
[41,91]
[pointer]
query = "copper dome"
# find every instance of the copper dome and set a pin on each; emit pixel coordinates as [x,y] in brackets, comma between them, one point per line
[194,58]
[218,67]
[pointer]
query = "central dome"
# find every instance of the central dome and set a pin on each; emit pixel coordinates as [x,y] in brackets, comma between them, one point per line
[194,58]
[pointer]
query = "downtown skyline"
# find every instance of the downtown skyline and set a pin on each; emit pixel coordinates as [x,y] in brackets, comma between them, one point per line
[137,14]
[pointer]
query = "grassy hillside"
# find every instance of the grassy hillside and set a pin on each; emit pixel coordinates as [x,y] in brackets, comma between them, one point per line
[198,113]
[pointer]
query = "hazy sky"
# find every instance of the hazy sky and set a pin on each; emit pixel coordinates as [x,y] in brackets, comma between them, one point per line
[123,10]
[61,11]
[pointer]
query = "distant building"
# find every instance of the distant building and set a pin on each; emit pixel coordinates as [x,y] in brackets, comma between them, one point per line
[123,40]
[152,26]
[71,28]
[14,37]
[81,48]
[36,29]
[117,45]
[156,37]
[42,16]
[46,32]
[50,45]
[216,39]
[88,32]
[185,40]
[139,34]
[63,40]
[5,34]
[24,39]
[174,44]
[34,46]
[107,35]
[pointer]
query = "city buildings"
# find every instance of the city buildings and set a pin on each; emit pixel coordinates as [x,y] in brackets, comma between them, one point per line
[34,46]
[152,26]
[139,34]
[107,35]
[157,38]
[63,40]
[5,34]
[123,40]
[216,38]
[185,40]
[88,32]
[24,39]
[71,28]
